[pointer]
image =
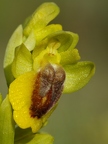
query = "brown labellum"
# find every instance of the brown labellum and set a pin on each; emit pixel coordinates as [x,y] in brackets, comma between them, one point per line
[47,89]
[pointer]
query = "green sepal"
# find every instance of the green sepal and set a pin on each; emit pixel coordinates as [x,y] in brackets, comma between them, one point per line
[22,62]
[69,57]
[6,123]
[46,31]
[78,75]
[75,40]
[30,42]
[15,40]
[41,17]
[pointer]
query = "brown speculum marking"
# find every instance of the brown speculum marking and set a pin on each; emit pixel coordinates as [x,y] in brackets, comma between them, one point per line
[47,89]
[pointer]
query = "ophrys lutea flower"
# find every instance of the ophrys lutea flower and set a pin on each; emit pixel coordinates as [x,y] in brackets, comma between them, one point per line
[40,65]
[34,95]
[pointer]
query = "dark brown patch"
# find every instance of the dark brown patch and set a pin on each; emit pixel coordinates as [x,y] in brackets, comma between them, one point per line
[47,89]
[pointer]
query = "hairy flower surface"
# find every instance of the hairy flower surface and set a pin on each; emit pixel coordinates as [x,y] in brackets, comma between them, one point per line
[41,63]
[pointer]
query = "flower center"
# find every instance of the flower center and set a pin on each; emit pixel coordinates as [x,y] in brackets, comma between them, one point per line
[48,55]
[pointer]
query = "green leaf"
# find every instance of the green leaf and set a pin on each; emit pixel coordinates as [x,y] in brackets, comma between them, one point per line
[69,57]
[15,40]
[77,76]
[6,123]
[41,17]
[22,62]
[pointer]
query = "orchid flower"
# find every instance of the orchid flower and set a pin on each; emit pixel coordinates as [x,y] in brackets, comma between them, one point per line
[41,63]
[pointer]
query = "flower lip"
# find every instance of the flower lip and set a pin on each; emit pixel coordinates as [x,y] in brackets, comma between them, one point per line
[47,89]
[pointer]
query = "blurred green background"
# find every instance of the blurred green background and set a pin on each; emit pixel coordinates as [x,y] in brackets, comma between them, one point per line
[81,117]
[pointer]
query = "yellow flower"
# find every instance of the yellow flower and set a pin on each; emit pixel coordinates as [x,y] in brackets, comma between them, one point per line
[41,62]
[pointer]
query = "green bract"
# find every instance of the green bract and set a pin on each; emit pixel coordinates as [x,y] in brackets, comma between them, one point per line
[39,52]
[6,123]
[27,137]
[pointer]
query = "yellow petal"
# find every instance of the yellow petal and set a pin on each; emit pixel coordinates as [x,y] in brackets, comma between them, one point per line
[20,92]
[24,120]
[21,89]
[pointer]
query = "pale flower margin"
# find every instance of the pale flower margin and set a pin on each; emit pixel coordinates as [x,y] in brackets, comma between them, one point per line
[41,62]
